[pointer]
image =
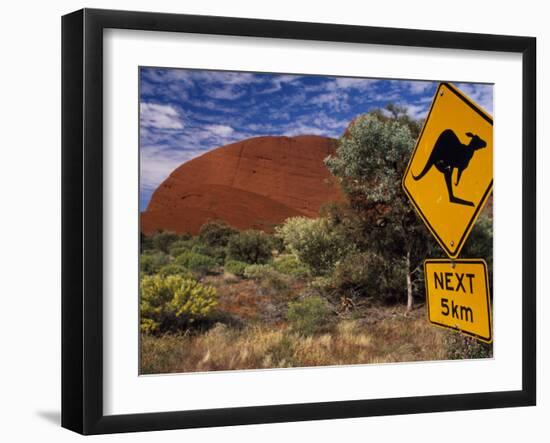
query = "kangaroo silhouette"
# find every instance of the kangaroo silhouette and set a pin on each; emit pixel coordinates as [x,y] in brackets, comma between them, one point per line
[448,154]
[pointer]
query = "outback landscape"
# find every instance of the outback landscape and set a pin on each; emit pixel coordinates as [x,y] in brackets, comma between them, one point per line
[300,250]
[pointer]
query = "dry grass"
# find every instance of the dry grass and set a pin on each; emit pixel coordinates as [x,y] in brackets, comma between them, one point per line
[391,338]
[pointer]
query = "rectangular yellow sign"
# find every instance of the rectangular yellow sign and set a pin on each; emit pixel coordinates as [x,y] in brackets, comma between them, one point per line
[458,296]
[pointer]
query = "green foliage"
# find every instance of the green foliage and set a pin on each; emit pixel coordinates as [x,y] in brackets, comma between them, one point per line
[460,347]
[399,114]
[316,242]
[348,222]
[480,241]
[182,245]
[150,262]
[269,280]
[290,265]
[162,240]
[256,272]
[367,274]
[372,156]
[173,302]
[250,246]
[199,263]
[370,162]
[277,244]
[274,283]
[216,233]
[174,269]
[321,285]
[145,243]
[235,267]
[308,316]
[359,274]
[218,253]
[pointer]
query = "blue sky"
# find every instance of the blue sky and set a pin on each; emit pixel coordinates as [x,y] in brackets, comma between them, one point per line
[185,113]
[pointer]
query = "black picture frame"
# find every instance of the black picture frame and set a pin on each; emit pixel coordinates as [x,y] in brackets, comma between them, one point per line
[82,216]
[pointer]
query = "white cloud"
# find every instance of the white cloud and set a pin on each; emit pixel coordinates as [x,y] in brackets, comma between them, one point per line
[361,84]
[426,100]
[211,105]
[220,130]
[304,129]
[418,87]
[386,96]
[317,124]
[416,111]
[336,100]
[159,116]
[228,92]
[276,83]
[343,84]
[336,93]
[264,128]
[156,164]
[157,161]
[322,120]
[481,94]
[227,78]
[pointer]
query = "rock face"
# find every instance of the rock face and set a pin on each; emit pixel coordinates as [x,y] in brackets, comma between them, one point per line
[255,183]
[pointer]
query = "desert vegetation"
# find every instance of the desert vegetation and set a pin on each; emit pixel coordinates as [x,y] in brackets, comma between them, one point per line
[343,288]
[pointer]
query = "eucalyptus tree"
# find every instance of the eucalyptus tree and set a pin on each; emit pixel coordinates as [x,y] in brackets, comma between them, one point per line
[370,161]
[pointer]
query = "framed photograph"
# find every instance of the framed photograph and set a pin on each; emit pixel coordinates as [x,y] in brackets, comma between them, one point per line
[269,221]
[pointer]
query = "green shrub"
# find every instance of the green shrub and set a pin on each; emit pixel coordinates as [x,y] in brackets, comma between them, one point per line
[218,253]
[460,347]
[480,241]
[290,265]
[369,162]
[216,233]
[162,240]
[151,262]
[235,267]
[277,244]
[174,269]
[360,274]
[274,283]
[369,275]
[182,245]
[315,242]
[199,263]
[145,242]
[269,280]
[173,302]
[321,285]
[257,272]
[308,316]
[250,246]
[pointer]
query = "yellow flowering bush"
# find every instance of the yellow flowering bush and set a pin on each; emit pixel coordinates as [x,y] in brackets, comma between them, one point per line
[173,302]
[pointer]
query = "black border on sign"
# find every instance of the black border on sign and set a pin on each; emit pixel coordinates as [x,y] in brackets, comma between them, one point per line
[455,252]
[82,344]
[487,294]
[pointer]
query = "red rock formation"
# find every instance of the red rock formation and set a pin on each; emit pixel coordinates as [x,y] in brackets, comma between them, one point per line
[255,183]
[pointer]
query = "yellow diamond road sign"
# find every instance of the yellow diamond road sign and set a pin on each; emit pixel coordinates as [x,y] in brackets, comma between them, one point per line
[457,295]
[450,174]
